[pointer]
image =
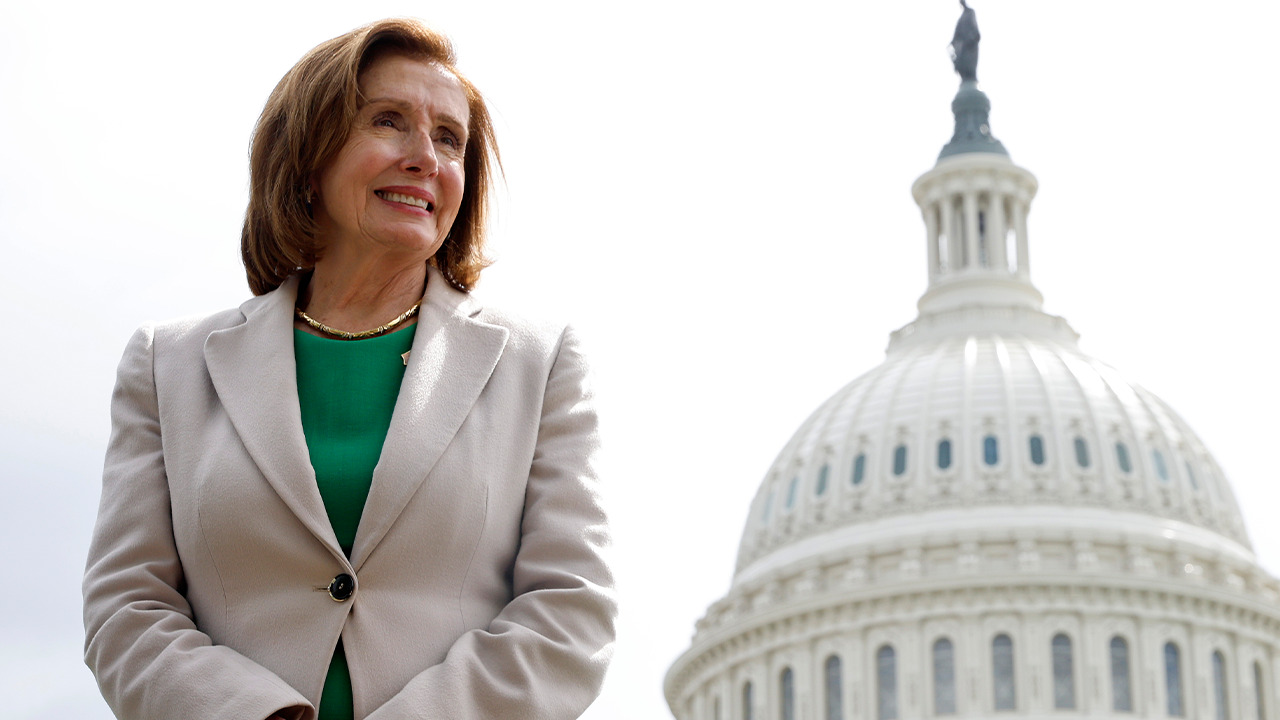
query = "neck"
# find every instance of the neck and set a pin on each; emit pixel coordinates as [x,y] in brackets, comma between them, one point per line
[357,296]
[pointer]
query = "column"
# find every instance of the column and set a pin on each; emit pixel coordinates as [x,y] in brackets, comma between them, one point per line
[949,227]
[931,229]
[1020,229]
[724,690]
[973,256]
[997,226]
[803,669]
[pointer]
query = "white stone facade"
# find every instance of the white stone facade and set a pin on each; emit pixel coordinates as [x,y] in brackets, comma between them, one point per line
[970,587]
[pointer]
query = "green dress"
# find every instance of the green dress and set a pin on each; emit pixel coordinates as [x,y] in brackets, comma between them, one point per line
[347,391]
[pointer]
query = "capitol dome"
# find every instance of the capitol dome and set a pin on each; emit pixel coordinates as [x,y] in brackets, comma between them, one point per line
[990,522]
[982,413]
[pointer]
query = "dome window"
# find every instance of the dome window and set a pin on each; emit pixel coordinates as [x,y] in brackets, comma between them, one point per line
[990,450]
[791,492]
[859,468]
[944,455]
[1037,450]
[1191,476]
[886,684]
[900,460]
[788,695]
[1161,469]
[821,487]
[748,702]
[1259,691]
[1121,696]
[1122,457]
[1082,452]
[1003,688]
[1219,686]
[1064,679]
[944,678]
[1172,680]
[768,509]
[835,690]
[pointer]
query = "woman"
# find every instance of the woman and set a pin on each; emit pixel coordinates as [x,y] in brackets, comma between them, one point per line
[361,493]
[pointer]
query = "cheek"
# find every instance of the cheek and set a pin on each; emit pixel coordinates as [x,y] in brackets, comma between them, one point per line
[455,182]
[358,163]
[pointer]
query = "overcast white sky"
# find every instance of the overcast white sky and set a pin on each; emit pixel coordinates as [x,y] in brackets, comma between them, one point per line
[716,193]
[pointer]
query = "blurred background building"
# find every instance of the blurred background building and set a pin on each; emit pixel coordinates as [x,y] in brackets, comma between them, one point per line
[990,522]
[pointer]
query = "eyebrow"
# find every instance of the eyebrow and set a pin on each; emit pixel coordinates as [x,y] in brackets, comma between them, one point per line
[402,104]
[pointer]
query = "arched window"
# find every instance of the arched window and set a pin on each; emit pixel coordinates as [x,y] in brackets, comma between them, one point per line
[1005,694]
[1172,680]
[1162,470]
[716,710]
[788,695]
[768,508]
[1219,686]
[1037,450]
[1121,695]
[1082,452]
[1064,678]
[1122,457]
[821,487]
[944,677]
[859,468]
[944,454]
[1191,476]
[1259,691]
[990,450]
[834,689]
[791,492]
[886,684]
[748,712]
[900,460]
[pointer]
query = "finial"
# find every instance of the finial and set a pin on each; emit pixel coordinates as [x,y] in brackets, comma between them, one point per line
[970,106]
[964,44]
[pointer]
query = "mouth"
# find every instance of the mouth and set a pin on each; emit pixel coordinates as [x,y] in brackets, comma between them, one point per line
[403,199]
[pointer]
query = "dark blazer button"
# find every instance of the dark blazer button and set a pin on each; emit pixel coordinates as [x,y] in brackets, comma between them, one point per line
[342,587]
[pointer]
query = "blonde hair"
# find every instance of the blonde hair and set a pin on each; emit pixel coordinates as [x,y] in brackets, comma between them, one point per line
[306,121]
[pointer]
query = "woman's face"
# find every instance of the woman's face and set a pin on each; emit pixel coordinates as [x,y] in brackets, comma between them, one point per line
[396,185]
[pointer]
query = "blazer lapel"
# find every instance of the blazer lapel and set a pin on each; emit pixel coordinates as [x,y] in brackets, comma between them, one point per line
[253,371]
[452,358]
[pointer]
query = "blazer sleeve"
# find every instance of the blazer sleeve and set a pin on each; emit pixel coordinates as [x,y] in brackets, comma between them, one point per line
[544,656]
[141,642]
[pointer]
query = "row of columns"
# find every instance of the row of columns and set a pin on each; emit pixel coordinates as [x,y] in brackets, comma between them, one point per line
[1251,671]
[955,221]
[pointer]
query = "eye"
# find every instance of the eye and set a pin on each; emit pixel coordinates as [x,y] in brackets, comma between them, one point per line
[387,120]
[448,139]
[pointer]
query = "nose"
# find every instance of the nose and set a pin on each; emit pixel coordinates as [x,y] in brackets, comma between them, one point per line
[420,155]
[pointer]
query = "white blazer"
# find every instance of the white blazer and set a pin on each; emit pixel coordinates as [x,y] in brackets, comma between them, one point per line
[480,587]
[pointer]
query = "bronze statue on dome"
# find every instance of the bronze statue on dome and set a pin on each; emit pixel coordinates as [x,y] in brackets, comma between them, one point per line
[964,45]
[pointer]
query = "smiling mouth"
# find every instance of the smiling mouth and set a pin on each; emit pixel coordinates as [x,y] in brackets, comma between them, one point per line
[405,199]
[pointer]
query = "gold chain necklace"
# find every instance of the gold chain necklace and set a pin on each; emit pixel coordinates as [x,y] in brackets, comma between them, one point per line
[356,335]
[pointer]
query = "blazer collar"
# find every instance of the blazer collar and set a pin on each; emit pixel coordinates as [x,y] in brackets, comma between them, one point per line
[452,358]
[253,371]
